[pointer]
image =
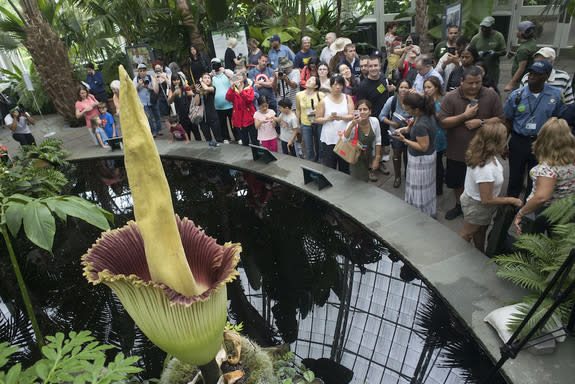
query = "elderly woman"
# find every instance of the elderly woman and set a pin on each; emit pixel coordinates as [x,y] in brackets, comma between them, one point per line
[115,87]
[554,176]
[86,105]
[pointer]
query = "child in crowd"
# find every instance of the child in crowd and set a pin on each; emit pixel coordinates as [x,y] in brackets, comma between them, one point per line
[177,131]
[289,128]
[98,132]
[107,120]
[265,125]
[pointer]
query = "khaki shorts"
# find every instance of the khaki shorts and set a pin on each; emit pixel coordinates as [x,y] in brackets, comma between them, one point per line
[476,213]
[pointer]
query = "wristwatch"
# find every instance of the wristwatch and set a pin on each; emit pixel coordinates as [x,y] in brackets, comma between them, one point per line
[482,122]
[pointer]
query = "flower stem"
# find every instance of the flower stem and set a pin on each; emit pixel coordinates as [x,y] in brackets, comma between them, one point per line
[210,372]
[23,289]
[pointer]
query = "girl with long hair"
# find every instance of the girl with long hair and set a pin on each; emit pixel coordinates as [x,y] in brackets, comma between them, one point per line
[309,70]
[554,176]
[483,182]
[433,89]
[305,110]
[351,82]
[180,95]
[468,57]
[419,137]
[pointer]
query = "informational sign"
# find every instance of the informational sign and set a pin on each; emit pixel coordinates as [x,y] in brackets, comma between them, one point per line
[28,81]
[452,14]
[140,54]
[220,42]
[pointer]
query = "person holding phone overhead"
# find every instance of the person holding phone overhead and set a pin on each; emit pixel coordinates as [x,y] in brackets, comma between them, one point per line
[462,112]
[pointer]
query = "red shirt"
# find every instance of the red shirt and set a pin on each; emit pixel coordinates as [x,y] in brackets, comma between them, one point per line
[243,111]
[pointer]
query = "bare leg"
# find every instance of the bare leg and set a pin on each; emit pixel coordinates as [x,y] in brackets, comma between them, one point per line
[468,231]
[479,238]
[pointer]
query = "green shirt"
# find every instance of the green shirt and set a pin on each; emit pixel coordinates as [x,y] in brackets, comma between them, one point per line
[525,52]
[495,42]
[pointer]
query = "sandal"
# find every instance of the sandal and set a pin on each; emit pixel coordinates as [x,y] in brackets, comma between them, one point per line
[372,176]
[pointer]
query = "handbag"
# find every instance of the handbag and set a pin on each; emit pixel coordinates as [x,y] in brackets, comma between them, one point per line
[197,112]
[349,151]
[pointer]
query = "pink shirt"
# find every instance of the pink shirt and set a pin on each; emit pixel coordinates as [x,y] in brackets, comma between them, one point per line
[267,130]
[81,105]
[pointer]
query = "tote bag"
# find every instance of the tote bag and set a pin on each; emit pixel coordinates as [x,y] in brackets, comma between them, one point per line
[349,151]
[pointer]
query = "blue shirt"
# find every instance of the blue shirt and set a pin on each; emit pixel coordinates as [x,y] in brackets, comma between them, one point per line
[143,93]
[266,75]
[221,83]
[109,124]
[419,80]
[96,83]
[302,58]
[274,55]
[102,135]
[523,108]
[440,138]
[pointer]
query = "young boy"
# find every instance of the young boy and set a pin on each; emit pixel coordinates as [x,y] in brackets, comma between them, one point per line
[107,120]
[177,131]
[289,129]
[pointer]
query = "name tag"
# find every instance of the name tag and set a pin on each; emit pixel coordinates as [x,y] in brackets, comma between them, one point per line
[531,126]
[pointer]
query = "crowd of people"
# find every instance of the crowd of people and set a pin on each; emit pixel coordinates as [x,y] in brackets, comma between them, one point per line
[440,115]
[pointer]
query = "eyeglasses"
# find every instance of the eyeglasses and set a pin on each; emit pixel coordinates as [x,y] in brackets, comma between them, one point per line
[336,75]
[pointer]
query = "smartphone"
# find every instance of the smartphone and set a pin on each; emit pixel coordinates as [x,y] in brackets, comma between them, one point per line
[392,131]
[473,102]
[334,113]
[451,50]
[356,114]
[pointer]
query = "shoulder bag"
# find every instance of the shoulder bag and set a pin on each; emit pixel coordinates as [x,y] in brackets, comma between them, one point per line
[197,111]
[349,151]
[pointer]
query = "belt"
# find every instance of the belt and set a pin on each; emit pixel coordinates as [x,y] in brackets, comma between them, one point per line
[530,137]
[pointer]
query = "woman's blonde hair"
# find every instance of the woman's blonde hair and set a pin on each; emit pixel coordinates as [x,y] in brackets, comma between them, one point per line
[489,141]
[555,144]
[94,122]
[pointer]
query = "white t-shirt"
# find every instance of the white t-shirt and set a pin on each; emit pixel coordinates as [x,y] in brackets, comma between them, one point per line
[286,130]
[21,125]
[288,91]
[332,130]
[489,173]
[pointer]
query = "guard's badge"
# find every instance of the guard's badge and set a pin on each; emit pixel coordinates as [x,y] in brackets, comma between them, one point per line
[552,100]
[521,107]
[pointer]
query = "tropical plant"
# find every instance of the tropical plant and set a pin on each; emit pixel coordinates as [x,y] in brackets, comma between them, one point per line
[78,358]
[37,100]
[537,258]
[49,150]
[289,372]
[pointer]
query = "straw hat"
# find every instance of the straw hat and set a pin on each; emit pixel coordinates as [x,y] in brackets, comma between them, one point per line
[339,44]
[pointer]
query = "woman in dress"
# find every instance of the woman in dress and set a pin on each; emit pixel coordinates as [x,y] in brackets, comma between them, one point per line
[309,70]
[554,177]
[196,65]
[323,76]
[419,137]
[180,95]
[433,89]
[241,95]
[351,82]
[86,106]
[483,182]
[334,111]
[394,115]
[366,129]
[254,53]
[305,109]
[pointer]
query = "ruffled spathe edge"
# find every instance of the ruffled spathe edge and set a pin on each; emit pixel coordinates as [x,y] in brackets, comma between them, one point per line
[119,255]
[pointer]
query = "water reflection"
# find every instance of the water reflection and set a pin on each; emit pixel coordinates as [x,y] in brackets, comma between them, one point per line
[309,276]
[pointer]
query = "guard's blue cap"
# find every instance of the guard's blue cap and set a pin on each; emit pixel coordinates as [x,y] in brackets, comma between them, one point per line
[541,66]
[274,38]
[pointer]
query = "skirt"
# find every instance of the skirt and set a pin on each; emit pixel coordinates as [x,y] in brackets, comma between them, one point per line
[420,183]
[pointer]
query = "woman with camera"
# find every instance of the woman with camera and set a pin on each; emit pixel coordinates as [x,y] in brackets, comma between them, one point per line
[180,95]
[163,81]
[210,121]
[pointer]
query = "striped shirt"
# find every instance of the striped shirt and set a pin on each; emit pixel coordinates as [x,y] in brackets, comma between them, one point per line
[559,79]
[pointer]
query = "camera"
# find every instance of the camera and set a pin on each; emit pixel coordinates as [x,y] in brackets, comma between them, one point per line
[146,82]
[451,50]
[408,43]
[240,55]
[216,66]
[281,73]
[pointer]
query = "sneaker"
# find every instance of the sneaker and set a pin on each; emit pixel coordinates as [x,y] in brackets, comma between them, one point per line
[371,176]
[385,157]
[226,141]
[383,169]
[454,212]
[240,142]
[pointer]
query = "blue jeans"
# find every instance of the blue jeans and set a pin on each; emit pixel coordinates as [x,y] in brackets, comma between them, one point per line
[153,114]
[311,134]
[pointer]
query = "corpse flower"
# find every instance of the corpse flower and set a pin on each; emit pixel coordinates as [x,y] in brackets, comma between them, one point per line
[169,275]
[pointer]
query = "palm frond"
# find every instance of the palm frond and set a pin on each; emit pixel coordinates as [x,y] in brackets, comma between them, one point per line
[554,322]
[524,277]
[562,211]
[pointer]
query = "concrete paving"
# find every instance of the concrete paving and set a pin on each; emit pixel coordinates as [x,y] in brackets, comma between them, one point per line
[459,273]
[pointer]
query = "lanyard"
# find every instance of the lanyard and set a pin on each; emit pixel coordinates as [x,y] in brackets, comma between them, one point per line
[531,109]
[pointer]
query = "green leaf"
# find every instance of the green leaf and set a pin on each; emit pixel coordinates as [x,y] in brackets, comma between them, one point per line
[5,352]
[13,216]
[42,369]
[39,225]
[50,353]
[14,374]
[309,376]
[80,208]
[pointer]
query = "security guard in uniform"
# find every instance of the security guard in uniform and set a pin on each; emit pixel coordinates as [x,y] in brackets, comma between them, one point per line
[526,110]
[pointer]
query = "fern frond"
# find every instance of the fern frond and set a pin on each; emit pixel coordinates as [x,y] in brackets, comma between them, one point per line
[562,211]
[524,307]
[514,259]
[537,245]
[524,277]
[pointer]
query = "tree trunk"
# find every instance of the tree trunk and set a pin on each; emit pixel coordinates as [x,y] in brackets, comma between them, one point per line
[421,21]
[338,6]
[50,57]
[190,23]
[303,7]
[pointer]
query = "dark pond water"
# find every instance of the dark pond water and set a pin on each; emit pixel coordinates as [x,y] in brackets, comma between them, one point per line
[309,276]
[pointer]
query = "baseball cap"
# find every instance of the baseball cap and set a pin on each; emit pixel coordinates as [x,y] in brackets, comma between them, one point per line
[524,26]
[546,52]
[216,60]
[274,38]
[541,66]
[487,22]
[142,66]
